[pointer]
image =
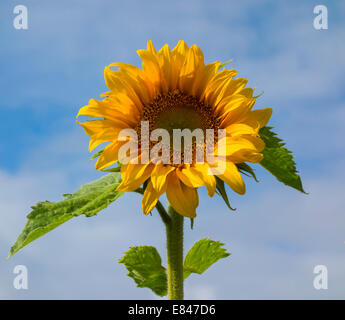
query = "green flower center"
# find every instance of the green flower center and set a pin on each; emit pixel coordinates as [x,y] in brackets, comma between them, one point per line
[179,117]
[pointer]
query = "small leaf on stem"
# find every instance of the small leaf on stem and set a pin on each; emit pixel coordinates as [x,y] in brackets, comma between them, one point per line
[145,268]
[202,255]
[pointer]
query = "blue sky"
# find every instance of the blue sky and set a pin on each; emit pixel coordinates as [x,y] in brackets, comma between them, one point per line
[276,236]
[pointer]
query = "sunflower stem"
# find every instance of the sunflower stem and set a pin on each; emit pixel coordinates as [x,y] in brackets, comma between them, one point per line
[174,231]
[162,212]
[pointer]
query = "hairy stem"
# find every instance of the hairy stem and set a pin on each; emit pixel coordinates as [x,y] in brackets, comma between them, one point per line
[174,231]
[162,212]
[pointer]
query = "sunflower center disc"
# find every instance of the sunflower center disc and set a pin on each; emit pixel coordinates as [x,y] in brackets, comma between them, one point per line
[176,110]
[179,117]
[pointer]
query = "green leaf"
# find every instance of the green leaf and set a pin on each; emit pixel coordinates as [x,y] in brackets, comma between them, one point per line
[202,255]
[224,64]
[88,200]
[97,154]
[245,168]
[278,160]
[222,192]
[116,169]
[145,268]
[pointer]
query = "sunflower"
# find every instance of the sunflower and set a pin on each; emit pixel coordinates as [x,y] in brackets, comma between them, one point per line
[176,90]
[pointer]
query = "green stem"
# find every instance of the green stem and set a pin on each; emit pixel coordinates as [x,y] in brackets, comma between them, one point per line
[174,230]
[162,212]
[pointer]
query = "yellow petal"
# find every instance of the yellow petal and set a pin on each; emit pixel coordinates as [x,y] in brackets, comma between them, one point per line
[168,70]
[256,141]
[121,102]
[181,50]
[159,175]
[150,47]
[216,84]
[245,155]
[230,88]
[151,196]
[230,103]
[133,176]
[122,115]
[190,177]
[203,77]
[182,198]
[105,94]
[100,131]
[193,64]
[103,136]
[118,84]
[109,155]
[137,79]
[233,178]
[150,64]
[236,113]
[258,118]
[93,127]
[237,129]
[178,57]
[234,144]
[207,177]
[179,54]
[247,92]
[243,148]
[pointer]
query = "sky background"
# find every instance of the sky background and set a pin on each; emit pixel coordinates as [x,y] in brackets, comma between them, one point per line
[277,235]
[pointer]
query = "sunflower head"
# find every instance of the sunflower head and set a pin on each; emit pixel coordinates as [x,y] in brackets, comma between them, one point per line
[175,91]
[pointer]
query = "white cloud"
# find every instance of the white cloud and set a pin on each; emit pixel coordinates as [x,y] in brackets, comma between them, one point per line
[200,292]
